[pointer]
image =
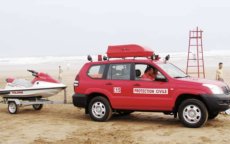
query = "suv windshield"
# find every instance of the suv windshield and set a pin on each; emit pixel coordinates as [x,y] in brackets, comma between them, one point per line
[172,70]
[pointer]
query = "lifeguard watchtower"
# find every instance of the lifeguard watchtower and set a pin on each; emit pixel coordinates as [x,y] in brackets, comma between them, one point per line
[195,59]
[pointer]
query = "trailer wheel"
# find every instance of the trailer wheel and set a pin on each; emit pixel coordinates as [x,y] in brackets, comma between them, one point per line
[37,106]
[12,108]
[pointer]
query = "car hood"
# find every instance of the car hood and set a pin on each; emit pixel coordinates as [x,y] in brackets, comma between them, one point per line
[201,81]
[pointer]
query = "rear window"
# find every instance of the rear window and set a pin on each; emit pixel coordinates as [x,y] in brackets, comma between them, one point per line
[96,71]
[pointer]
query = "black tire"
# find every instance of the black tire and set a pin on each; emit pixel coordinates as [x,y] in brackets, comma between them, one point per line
[124,112]
[12,108]
[38,106]
[212,115]
[193,113]
[100,109]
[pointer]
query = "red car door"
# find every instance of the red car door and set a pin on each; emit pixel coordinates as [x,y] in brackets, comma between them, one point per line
[149,94]
[118,76]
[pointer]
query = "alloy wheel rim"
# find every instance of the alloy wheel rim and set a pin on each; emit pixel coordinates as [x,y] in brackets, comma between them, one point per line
[98,110]
[192,114]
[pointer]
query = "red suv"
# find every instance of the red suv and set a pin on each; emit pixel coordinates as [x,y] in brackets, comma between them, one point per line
[124,83]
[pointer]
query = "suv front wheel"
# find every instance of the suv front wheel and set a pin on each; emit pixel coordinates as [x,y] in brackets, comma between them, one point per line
[193,113]
[100,109]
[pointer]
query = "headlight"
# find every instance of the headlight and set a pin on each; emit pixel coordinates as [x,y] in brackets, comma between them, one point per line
[215,89]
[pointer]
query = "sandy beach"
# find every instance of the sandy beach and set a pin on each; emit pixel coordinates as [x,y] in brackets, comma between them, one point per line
[42,35]
[64,123]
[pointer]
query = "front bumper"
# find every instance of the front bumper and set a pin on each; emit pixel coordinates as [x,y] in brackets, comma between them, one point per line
[217,102]
[79,100]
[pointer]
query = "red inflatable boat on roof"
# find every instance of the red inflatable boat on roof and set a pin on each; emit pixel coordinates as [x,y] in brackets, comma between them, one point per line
[131,50]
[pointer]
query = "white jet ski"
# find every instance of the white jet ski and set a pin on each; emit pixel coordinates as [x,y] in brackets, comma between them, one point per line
[42,86]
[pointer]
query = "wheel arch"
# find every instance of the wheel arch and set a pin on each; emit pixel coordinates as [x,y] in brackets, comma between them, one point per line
[93,95]
[183,97]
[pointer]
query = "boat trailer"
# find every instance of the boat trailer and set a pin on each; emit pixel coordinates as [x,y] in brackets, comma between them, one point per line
[36,103]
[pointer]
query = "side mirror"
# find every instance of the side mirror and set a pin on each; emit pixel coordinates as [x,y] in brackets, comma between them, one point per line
[161,78]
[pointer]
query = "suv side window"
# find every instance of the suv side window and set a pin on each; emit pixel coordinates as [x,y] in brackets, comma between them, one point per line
[96,71]
[119,71]
[141,72]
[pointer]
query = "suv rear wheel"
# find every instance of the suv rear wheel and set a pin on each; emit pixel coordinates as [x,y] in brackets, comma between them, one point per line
[100,109]
[193,113]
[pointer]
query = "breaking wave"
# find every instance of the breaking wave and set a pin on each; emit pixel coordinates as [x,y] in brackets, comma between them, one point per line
[179,58]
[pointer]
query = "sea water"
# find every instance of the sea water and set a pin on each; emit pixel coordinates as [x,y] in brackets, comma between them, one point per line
[211,59]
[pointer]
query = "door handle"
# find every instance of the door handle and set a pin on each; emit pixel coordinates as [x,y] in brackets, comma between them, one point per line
[136,85]
[108,84]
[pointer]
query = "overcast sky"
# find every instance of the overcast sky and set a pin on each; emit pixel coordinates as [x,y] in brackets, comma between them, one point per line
[81,27]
